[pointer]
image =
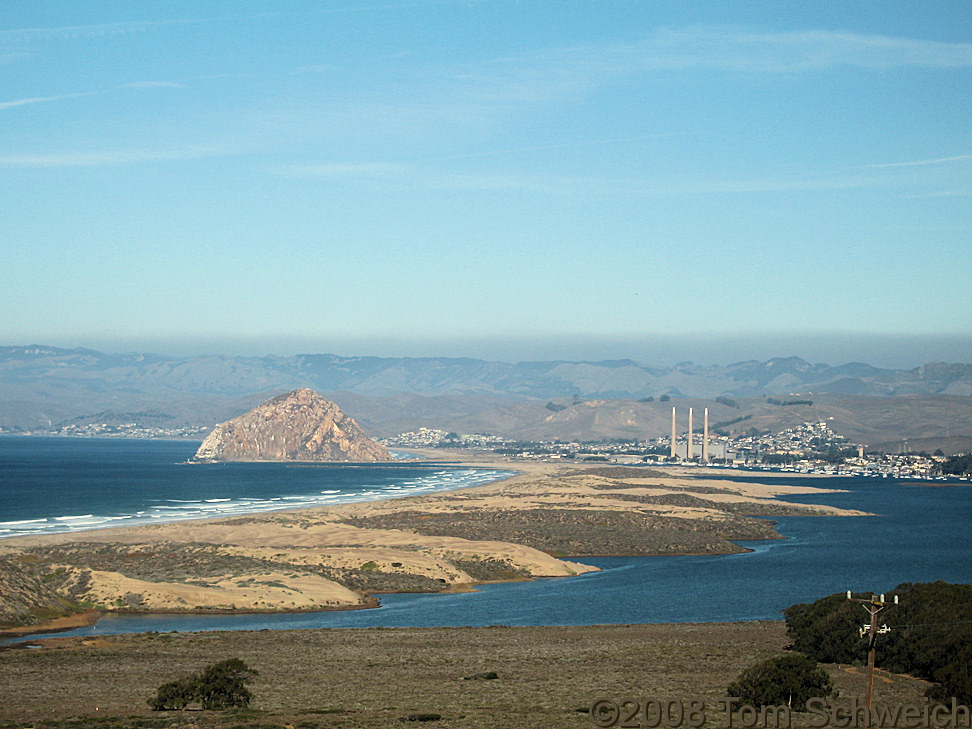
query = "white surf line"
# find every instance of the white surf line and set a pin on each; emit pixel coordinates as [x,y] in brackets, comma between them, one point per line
[171,510]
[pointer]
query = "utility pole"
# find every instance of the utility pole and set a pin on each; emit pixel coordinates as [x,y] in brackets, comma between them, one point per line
[873,605]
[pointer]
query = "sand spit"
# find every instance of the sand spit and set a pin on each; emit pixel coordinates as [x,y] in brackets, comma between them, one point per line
[333,557]
[254,591]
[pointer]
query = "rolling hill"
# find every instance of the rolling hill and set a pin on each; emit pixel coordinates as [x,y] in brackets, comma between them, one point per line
[47,387]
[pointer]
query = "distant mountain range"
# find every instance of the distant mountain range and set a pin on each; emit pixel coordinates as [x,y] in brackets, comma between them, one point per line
[49,371]
[47,386]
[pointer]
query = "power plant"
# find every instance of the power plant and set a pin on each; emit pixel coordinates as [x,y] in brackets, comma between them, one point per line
[689,451]
[705,438]
[673,431]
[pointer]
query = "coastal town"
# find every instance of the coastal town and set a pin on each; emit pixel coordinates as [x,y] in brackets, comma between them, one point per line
[812,447]
[119,430]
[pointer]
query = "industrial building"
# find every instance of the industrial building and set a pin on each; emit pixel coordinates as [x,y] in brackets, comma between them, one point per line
[693,448]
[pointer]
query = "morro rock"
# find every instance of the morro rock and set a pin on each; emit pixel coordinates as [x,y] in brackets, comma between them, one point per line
[298,426]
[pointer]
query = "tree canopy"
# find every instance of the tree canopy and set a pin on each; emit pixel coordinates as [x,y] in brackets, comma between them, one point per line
[788,680]
[219,686]
[931,634]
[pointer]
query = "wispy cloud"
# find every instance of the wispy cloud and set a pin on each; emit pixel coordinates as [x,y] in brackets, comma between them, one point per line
[484,95]
[428,176]
[573,144]
[593,186]
[331,170]
[925,162]
[944,194]
[94,30]
[81,94]
[152,85]
[719,48]
[112,158]
[730,49]
[44,99]
[802,51]
[551,75]
[11,57]
[313,68]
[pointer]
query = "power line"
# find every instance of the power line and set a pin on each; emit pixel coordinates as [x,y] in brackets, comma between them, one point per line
[873,605]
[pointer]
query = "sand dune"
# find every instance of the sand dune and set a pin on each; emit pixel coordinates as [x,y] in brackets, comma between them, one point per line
[333,556]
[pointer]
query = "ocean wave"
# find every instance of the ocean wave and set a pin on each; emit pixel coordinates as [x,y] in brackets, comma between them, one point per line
[21,521]
[158,510]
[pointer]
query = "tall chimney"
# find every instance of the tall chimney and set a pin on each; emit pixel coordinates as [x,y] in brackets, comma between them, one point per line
[705,437]
[673,431]
[688,450]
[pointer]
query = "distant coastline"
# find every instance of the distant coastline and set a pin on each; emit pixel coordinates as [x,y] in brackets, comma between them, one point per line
[62,472]
[516,527]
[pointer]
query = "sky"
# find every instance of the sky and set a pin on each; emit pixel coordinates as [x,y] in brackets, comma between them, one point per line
[513,180]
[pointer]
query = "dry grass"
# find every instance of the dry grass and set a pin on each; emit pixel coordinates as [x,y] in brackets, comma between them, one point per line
[547,677]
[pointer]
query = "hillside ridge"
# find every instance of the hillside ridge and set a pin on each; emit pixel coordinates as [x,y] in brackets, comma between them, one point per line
[30,371]
[82,391]
[297,426]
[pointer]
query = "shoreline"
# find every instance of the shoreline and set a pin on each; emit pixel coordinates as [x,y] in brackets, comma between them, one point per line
[62,624]
[338,557]
[430,465]
[88,618]
[521,471]
[371,601]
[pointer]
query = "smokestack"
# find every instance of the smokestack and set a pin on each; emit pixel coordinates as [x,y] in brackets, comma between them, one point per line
[705,437]
[673,431]
[688,451]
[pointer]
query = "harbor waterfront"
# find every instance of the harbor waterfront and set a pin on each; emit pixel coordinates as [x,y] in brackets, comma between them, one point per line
[918,533]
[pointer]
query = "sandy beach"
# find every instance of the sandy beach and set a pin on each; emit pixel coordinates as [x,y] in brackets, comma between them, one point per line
[540,523]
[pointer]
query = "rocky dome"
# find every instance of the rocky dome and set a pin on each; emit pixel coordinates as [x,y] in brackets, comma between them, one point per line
[298,426]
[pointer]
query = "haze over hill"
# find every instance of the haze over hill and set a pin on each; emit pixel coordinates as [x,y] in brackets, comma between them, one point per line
[47,387]
[49,371]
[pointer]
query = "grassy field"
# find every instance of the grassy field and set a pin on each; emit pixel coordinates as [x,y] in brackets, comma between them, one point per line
[546,677]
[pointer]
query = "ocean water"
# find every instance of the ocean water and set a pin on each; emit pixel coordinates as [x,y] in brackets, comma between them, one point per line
[920,533]
[50,485]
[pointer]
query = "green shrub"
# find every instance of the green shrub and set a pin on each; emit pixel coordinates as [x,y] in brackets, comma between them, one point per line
[954,679]
[175,694]
[219,686]
[827,630]
[782,681]
[931,634]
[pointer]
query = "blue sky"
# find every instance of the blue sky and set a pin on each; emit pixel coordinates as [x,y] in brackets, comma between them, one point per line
[513,180]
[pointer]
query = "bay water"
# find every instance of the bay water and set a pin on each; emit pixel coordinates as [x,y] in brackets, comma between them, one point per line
[920,532]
